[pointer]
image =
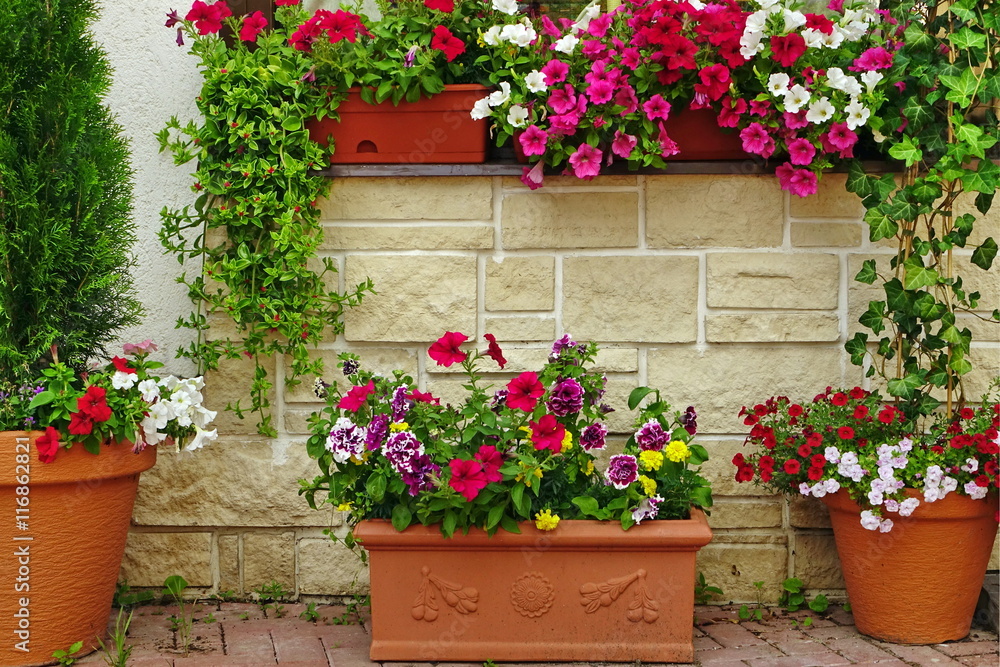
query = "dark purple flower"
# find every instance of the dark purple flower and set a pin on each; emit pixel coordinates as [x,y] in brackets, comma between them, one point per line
[499,400]
[173,18]
[402,450]
[623,469]
[309,77]
[180,37]
[346,439]
[593,436]
[410,56]
[689,420]
[377,430]
[560,345]
[400,403]
[350,366]
[421,477]
[566,398]
[652,436]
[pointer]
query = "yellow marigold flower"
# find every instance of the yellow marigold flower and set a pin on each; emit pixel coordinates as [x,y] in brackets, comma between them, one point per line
[651,460]
[546,520]
[590,468]
[398,426]
[527,431]
[345,507]
[677,451]
[648,485]
[567,442]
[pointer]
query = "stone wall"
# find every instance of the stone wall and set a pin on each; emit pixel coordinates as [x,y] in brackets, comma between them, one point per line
[719,289]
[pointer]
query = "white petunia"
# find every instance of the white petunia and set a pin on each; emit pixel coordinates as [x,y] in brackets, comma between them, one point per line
[833,40]
[492,36]
[202,438]
[501,96]
[566,44]
[518,34]
[508,7]
[150,390]
[770,5]
[813,38]
[122,380]
[871,79]
[794,20]
[820,111]
[481,109]
[535,82]
[796,98]
[756,22]
[857,114]
[751,44]
[777,83]
[517,115]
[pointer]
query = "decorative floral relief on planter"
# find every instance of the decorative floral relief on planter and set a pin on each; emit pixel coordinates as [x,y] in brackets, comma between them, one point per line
[642,607]
[532,594]
[425,607]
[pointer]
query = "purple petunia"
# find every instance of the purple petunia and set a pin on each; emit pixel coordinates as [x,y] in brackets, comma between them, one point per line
[566,398]
[377,430]
[422,474]
[652,436]
[400,403]
[403,451]
[593,436]
[623,469]
[648,509]
[689,420]
[347,439]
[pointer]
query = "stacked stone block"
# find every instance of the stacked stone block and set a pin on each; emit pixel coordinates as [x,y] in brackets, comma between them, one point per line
[719,289]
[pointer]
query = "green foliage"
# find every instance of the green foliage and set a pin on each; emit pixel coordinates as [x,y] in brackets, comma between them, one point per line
[269,597]
[65,657]
[253,232]
[757,611]
[921,346]
[310,614]
[703,593]
[118,652]
[183,622]
[793,598]
[65,193]
[352,611]
[125,597]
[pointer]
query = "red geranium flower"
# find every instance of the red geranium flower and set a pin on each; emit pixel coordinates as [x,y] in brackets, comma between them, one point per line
[491,460]
[48,445]
[792,467]
[356,397]
[494,350]
[467,477]
[524,391]
[447,43]
[845,432]
[445,351]
[547,433]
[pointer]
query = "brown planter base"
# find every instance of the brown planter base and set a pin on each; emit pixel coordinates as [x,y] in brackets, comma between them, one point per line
[587,591]
[918,583]
[59,565]
[436,130]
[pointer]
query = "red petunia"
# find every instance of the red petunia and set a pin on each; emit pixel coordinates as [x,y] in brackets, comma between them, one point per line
[524,391]
[48,445]
[444,41]
[819,23]
[445,351]
[815,474]
[739,459]
[745,473]
[794,410]
[122,365]
[818,460]
[422,397]
[494,351]
[858,393]
[967,413]
[839,399]
[804,450]
[208,18]
[467,477]
[80,424]
[285,3]
[341,25]
[446,6]
[491,460]
[860,412]
[982,481]
[94,405]
[547,433]
[887,414]
[788,48]
[252,25]
[845,432]
[356,397]
[792,467]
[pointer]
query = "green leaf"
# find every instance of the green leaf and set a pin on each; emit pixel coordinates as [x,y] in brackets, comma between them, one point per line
[510,525]
[984,201]
[698,455]
[917,275]
[967,38]
[522,503]
[701,496]
[792,585]
[587,504]
[874,316]
[880,226]
[982,256]
[951,334]
[961,88]
[907,151]
[637,395]
[43,398]
[904,387]
[857,347]
[867,274]
[175,585]
[959,363]
[292,123]
[376,487]
[401,516]
[494,516]
[449,523]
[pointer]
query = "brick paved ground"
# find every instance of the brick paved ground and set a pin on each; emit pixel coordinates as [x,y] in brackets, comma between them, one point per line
[242,634]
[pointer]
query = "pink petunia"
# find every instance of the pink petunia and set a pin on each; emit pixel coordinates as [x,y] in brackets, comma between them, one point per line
[623,144]
[600,92]
[875,58]
[533,140]
[800,182]
[524,391]
[356,397]
[795,121]
[252,25]
[625,97]
[757,140]
[491,460]
[562,100]
[586,162]
[801,151]
[467,477]
[656,107]
[841,136]
[668,146]
[533,177]
[555,71]
[547,433]
[445,350]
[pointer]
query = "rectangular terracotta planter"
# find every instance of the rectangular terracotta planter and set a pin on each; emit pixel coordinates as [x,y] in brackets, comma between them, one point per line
[587,591]
[435,130]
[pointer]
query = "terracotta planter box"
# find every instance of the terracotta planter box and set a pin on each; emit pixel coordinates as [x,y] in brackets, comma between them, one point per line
[436,130]
[918,583]
[60,563]
[587,591]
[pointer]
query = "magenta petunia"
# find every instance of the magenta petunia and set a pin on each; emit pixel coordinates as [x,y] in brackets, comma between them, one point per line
[252,25]
[524,391]
[586,162]
[547,433]
[467,477]
[492,460]
[533,177]
[445,350]
[656,107]
[623,469]
[623,144]
[801,151]
[555,71]
[356,397]
[533,140]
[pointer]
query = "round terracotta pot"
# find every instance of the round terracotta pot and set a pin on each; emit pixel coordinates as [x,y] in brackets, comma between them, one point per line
[60,559]
[918,583]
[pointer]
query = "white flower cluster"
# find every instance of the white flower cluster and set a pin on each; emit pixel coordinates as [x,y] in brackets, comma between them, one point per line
[172,400]
[520,34]
[937,485]
[853,25]
[820,488]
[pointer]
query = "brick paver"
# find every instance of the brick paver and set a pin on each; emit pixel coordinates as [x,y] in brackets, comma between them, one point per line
[242,635]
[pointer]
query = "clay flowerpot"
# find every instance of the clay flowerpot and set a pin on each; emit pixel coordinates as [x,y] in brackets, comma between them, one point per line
[435,130]
[918,583]
[63,532]
[587,591]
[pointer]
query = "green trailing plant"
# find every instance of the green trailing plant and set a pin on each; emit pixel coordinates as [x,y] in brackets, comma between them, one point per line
[793,598]
[269,597]
[66,657]
[942,128]
[352,613]
[703,593]
[757,610]
[250,241]
[118,652]
[66,224]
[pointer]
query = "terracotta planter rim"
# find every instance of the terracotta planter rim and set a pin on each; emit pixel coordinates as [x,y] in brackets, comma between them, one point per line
[952,506]
[571,535]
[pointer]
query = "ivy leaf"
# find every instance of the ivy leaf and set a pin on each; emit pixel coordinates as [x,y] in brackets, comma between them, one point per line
[857,347]
[961,88]
[959,363]
[918,113]
[916,275]
[905,386]
[880,226]
[874,316]
[967,38]
[984,255]
[859,182]
[951,334]
[926,192]
[896,298]
[984,201]
[907,151]
[867,274]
